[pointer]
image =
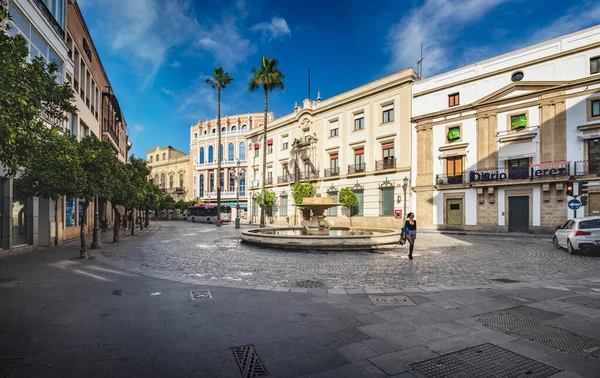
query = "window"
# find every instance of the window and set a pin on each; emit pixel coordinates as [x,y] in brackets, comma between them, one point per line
[233,128]
[518,121]
[164,156]
[181,180]
[307,139]
[156,182]
[223,129]
[150,159]
[201,184]
[359,121]
[242,154]
[214,131]
[195,136]
[334,164]
[453,99]
[243,187]
[388,156]
[359,158]
[211,183]
[270,176]
[221,152]
[517,76]
[205,132]
[244,127]
[256,153]
[156,157]
[284,142]
[333,128]
[230,152]
[333,211]
[454,169]
[231,181]
[595,65]
[221,181]
[357,211]
[211,154]
[518,168]
[270,148]
[163,181]
[387,113]
[453,133]
[595,108]
[593,155]
[387,202]
[201,155]
[171,181]
[284,206]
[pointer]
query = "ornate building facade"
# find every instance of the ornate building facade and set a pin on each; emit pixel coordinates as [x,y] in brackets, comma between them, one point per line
[170,171]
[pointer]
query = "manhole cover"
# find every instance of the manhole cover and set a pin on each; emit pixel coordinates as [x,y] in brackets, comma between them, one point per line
[583,301]
[310,284]
[515,325]
[391,300]
[249,362]
[568,341]
[512,299]
[525,312]
[504,280]
[7,365]
[200,294]
[486,360]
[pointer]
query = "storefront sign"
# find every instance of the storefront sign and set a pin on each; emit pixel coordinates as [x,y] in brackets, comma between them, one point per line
[70,213]
[519,174]
[398,214]
[454,133]
[518,122]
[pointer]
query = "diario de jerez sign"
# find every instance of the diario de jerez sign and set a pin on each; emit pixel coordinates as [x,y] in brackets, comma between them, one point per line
[536,171]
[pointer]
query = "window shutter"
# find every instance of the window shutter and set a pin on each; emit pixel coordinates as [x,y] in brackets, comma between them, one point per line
[359,151]
[333,156]
[256,146]
[388,146]
[269,142]
[387,107]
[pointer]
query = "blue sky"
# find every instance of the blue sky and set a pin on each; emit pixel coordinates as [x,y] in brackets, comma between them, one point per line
[158,53]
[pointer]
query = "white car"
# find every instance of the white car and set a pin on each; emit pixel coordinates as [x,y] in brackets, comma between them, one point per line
[578,235]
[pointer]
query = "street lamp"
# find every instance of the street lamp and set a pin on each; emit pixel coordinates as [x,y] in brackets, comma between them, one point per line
[239,175]
[95,238]
[405,186]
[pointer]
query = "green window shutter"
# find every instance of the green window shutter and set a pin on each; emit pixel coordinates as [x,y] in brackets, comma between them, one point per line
[387,202]
[333,212]
[358,210]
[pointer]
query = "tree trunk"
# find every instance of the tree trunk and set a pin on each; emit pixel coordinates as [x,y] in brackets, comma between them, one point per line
[82,223]
[146,218]
[132,222]
[219,157]
[264,161]
[140,219]
[350,212]
[117,224]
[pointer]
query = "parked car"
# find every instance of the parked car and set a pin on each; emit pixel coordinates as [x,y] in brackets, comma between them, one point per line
[578,235]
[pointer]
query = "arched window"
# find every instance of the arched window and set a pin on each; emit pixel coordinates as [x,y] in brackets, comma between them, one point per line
[163,181]
[223,129]
[230,152]
[205,132]
[201,180]
[243,187]
[242,151]
[156,157]
[231,181]
[211,154]
[164,156]
[171,181]
[233,128]
[150,159]
[221,152]
[214,131]
[156,182]
[244,127]
[201,155]
[181,180]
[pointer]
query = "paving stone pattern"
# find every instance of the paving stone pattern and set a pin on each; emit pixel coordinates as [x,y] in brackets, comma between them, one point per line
[204,254]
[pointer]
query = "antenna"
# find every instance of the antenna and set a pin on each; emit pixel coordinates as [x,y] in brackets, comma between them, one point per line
[308,83]
[420,63]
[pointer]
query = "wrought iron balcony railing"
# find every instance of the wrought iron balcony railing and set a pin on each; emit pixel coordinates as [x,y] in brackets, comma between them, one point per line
[332,172]
[357,168]
[384,164]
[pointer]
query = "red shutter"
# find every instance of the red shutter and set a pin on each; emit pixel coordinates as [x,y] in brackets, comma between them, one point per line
[333,156]
[269,142]
[388,146]
[359,151]
[256,146]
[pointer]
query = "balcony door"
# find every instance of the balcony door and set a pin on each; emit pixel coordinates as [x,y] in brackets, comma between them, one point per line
[454,169]
[593,155]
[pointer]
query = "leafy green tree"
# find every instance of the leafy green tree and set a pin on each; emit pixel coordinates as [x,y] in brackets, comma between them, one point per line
[302,190]
[122,195]
[348,198]
[220,79]
[167,204]
[28,90]
[269,78]
[270,199]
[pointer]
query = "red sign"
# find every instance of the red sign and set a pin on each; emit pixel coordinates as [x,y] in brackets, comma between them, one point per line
[398,214]
[256,146]
[269,142]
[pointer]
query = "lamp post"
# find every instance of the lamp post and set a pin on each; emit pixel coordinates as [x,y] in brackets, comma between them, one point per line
[239,175]
[405,186]
[95,240]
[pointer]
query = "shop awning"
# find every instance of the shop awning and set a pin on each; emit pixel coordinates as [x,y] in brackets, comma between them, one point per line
[517,151]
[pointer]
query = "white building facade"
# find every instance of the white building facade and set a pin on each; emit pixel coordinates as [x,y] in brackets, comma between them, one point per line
[499,141]
[359,139]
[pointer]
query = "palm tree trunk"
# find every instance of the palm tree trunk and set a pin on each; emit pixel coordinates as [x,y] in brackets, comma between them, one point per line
[219,152]
[264,161]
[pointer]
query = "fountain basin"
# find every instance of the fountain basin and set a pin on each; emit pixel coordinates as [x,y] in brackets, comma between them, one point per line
[337,238]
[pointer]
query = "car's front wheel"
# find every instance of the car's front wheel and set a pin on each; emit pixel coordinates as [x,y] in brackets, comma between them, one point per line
[555,242]
[570,248]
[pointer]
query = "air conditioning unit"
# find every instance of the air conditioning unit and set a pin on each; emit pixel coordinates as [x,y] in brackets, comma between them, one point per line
[442,180]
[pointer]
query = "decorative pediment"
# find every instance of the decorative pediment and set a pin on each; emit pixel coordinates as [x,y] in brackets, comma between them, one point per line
[523,88]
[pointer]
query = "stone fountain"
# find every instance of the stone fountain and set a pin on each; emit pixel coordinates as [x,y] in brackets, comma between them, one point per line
[319,233]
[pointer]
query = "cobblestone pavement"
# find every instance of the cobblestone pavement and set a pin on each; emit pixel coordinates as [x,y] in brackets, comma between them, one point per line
[203,254]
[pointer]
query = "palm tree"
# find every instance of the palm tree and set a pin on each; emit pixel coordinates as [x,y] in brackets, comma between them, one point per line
[270,78]
[220,79]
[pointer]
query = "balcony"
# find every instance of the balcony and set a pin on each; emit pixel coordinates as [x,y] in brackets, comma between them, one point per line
[180,189]
[332,172]
[284,179]
[76,85]
[462,178]
[224,164]
[381,165]
[357,168]
[224,194]
[556,170]
[109,130]
[586,167]
[223,135]
[254,184]
[269,181]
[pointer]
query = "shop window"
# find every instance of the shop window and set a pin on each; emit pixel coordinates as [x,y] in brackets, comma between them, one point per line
[595,65]
[453,99]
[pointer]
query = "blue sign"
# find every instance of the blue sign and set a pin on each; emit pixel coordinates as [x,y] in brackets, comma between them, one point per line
[574,204]
[70,214]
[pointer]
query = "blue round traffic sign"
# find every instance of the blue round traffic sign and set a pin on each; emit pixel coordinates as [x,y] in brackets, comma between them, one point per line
[574,204]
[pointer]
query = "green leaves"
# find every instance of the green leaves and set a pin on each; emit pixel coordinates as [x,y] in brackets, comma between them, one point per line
[301,190]
[348,198]
[270,198]
[267,75]
[220,79]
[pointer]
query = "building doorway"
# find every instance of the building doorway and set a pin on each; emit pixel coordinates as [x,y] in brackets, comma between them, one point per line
[518,214]
[454,211]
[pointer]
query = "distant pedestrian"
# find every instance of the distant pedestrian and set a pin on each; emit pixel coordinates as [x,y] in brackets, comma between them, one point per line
[410,229]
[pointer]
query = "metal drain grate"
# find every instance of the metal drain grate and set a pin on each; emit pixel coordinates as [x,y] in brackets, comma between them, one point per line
[524,312]
[486,360]
[512,299]
[568,341]
[504,280]
[249,362]
[583,301]
[515,325]
[310,284]
[200,294]
[391,300]
[7,365]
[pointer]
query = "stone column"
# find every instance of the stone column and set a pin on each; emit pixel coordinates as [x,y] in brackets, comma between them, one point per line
[487,142]
[424,185]
[553,131]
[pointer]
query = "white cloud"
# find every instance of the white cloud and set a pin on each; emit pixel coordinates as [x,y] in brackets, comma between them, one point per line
[175,64]
[436,24]
[138,128]
[168,92]
[225,42]
[276,29]
[580,16]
